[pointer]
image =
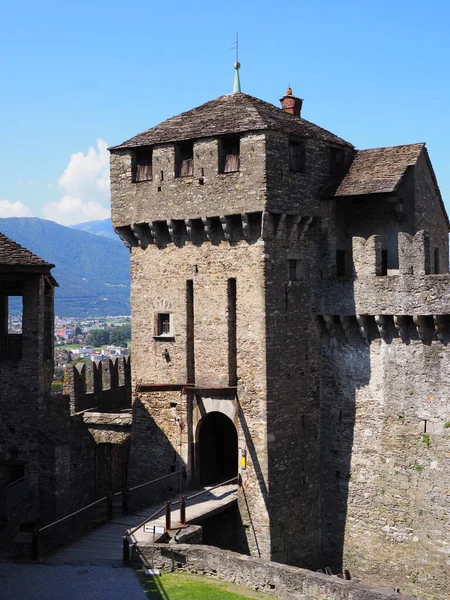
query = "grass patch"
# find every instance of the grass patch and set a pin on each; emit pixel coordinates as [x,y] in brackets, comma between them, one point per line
[184,586]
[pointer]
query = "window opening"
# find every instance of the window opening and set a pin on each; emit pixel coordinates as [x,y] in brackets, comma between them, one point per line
[229,150]
[163,325]
[384,262]
[297,157]
[340,263]
[184,166]
[295,269]
[436,260]
[143,165]
[337,160]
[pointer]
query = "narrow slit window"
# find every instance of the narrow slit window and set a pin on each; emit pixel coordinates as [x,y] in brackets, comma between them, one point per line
[143,165]
[297,156]
[384,262]
[436,261]
[340,263]
[184,157]
[229,150]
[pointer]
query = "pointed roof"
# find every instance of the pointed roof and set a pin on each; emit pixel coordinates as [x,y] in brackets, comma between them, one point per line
[378,170]
[15,256]
[233,113]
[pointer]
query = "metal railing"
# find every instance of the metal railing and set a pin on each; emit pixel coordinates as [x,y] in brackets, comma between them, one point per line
[35,551]
[167,509]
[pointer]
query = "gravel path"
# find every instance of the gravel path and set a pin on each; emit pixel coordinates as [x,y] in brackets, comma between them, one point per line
[42,582]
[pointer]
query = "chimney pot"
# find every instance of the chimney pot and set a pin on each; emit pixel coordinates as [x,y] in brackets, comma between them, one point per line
[291,104]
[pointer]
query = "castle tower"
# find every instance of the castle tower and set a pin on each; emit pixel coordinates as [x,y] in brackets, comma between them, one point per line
[219,206]
[26,373]
[280,282]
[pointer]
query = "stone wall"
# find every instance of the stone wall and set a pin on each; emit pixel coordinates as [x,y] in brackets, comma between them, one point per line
[166,423]
[281,581]
[23,383]
[384,468]
[102,385]
[207,193]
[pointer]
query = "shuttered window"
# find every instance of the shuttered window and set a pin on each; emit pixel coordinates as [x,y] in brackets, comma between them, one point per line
[229,148]
[296,157]
[184,159]
[143,168]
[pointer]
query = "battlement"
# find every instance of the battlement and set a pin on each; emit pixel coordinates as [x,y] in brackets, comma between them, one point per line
[233,228]
[370,256]
[103,385]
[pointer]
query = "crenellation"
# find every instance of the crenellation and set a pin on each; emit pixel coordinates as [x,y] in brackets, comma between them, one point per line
[367,256]
[105,385]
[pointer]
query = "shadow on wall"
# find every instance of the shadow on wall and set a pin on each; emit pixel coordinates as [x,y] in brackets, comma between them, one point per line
[345,369]
[153,455]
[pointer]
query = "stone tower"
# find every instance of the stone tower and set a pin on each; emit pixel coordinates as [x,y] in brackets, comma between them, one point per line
[26,373]
[250,278]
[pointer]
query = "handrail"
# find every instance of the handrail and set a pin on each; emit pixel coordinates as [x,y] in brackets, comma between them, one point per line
[209,489]
[72,514]
[15,482]
[141,485]
[156,514]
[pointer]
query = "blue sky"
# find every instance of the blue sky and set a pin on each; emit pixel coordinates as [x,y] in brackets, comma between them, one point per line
[76,77]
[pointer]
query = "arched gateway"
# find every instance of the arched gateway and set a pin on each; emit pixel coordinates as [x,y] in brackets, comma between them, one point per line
[217,449]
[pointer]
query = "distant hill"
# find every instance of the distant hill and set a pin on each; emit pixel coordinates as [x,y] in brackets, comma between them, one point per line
[92,271]
[102,228]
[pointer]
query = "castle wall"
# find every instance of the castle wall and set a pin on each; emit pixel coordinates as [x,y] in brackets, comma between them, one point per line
[429,212]
[187,197]
[406,291]
[293,400]
[384,471]
[292,192]
[22,385]
[163,434]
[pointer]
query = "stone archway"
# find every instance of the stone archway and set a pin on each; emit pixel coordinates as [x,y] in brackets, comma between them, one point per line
[217,449]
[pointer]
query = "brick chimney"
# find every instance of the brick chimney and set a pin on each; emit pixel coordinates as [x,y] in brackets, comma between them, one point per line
[291,104]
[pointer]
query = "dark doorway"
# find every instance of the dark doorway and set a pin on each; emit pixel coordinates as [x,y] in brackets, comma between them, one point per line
[217,449]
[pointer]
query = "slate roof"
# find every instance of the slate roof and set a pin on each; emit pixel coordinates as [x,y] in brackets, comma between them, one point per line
[13,255]
[233,113]
[378,170]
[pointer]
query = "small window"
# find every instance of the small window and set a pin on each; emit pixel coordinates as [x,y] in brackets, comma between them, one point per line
[340,263]
[436,261]
[163,325]
[337,160]
[184,159]
[143,169]
[229,161]
[296,157]
[295,269]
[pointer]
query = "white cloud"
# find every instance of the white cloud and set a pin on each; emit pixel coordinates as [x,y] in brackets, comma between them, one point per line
[20,183]
[31,182]
[85,188]
[13,209]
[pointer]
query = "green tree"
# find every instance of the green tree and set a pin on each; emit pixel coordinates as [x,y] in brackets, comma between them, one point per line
[98,337]
[120,335]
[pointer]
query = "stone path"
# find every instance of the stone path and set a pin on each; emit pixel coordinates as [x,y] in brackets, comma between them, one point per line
[42,582]
[103,546]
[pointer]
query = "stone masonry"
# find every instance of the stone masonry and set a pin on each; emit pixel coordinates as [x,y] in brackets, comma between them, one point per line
[301,296]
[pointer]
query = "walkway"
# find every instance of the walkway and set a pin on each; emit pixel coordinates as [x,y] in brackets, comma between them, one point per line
[40,582]
[103,546]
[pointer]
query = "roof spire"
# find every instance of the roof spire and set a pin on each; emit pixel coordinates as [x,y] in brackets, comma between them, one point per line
[237,66]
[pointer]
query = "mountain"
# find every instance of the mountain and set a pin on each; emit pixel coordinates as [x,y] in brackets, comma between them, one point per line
[102,228]
[92,271]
